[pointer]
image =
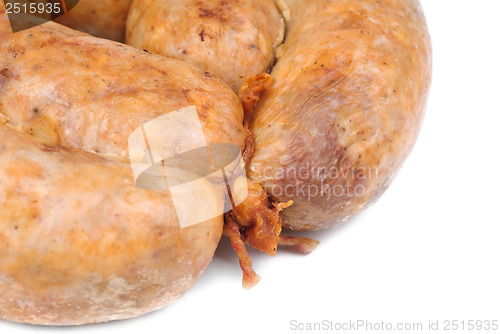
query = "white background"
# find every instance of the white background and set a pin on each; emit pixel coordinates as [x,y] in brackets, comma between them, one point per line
[428,250]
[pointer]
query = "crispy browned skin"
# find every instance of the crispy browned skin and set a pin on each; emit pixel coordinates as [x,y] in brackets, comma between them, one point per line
[232,39]
[345,108]
[101,18]
[79,242]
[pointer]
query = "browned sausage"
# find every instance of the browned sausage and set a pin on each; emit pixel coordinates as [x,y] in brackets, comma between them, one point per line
[232,39]
[345,107]
[79,241]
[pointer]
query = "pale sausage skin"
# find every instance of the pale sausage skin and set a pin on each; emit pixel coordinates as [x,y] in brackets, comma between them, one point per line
[101,18]
[79,241]
[231,39]
[348,97]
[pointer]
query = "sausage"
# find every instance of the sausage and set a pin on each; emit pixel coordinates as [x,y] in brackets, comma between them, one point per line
[344,109]
[234,40]
[83,92]
[101,18]
[79,241]
[341,115]
[231,39]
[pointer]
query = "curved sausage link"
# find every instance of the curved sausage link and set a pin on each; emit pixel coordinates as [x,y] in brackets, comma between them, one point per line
[79,241]
[345,107]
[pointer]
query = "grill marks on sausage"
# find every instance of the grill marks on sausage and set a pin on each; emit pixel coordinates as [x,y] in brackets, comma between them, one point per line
[6,75]
[218,13]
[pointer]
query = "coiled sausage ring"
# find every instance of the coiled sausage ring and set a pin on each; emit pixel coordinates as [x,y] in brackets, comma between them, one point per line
[323,98]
